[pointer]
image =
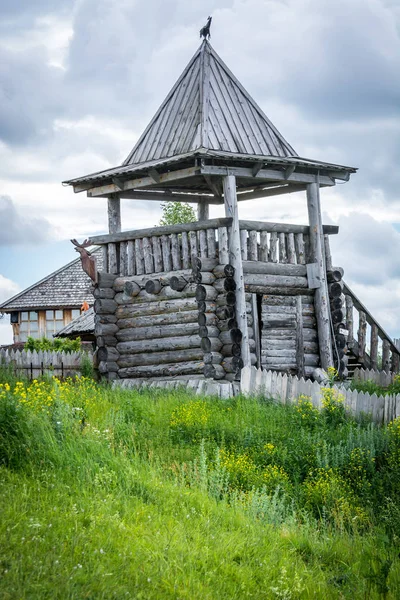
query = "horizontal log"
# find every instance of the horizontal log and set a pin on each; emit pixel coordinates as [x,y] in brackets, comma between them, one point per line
[131,288]
[226,299]
[224,271]
[158,358]
[106,340]
[232,364]
[333,276]
[335,290]
[163,370]
[103,292]
[105,319]
[182,342]
[283,227]
[225,284]
[204,264]
[337,315]
[155,308]
[211,344]
[135,234]
[178,282]
[206,292]
[208,331]
[231,350]
[336,303]
[103,329]
[307,310]
[207,319]
[212,358]
[167,293]
[213,372]
[289,281]
[205,278]
[269,268]
[105,306]
[141,280]
[278,291]
[232,336]
[175,318]
[157,331]
[105,280]
[225,312]
[107,367]
[227,324]
[104,354]
[152,286]
[206,306]
[280,352]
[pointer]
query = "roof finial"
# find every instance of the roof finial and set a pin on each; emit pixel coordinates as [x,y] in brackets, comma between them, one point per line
[205,31]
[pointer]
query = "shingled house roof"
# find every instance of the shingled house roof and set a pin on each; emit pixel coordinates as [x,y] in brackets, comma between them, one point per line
[67,287]
[84,324]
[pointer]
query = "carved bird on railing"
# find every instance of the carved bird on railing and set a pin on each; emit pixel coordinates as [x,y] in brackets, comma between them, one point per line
[205,31]
[88,261]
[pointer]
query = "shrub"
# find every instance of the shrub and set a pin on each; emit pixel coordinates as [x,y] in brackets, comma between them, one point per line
[333,406]
[58,344]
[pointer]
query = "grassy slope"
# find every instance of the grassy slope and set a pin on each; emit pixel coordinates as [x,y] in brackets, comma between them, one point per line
[105,510]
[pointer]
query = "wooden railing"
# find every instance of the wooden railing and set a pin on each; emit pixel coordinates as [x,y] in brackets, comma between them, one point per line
[371,339]
[170,248]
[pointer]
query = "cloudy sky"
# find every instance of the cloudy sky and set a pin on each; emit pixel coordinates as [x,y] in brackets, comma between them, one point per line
[80,79]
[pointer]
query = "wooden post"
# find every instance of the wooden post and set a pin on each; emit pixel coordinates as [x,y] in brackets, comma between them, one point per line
[114,214]
[203,211]
[321,293]
[235,259]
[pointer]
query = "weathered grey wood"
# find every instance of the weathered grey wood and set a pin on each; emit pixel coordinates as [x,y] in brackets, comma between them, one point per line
[104,354]
[273,241]
[234,336]
[243,243]
[385,355]
[283,227]
[104,253]
[313,276]
[264,256]
[207,319]
[123,259]
[105,329]
[153,286]
[223,252]
[212,358]
[158,358]
[166,252]
[214,371]
[300,250]
[103,292]
[204,264]
[235,259]
[362,333]
[211,344]
[278,291]
[211,243]
[207,331]
[206,306]
[203,211]
[226,284]
[334,275]
[253,245]
[185,250]
[232,364]
[231,350]
[202,240]
[164,318]
[104,306]
[395,362]
[321,294]
[291,251]
[107,367]
[139,257]
[175,252]
[182,342]
[159,231]
[178,283]
[105,319]
[105,280]
[299,338]
[167,293]
[226,270]
[131,288]
[256,329]
[225,312]
[282,248]
[275,280]
[131,263]
[163,277]
[204,278]
[106,340]
[268,268]
[167,369]
[193,245]
[349,320]
[206,292]
[155,331]
[157,254]
[114,214]
[112,259]
[328,256]
[227,324]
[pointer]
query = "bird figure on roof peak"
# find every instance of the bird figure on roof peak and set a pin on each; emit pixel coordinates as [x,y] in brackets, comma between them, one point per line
[205,31]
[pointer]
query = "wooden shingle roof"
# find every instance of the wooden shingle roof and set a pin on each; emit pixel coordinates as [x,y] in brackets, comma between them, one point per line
[67,287]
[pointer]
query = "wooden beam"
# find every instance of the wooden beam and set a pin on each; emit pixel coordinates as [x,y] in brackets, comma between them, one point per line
[321,298]
[289,171]
[267,192]
[283,227]
[97,190]
[203,211]
[235,259]
[118,182]
[155,175]
[272,174]
[114,214]
[213,187]
[257,168]
[125,236]
[156,196]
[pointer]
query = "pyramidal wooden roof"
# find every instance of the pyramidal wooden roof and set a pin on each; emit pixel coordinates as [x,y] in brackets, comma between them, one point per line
[208,108]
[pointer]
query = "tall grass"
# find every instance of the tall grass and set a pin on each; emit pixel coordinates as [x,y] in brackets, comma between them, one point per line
[117,494]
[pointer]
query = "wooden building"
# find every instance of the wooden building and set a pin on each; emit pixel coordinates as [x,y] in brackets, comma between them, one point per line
[49,305]
[204,299]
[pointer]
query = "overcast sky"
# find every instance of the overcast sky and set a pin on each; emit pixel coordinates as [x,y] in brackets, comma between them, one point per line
[80,80]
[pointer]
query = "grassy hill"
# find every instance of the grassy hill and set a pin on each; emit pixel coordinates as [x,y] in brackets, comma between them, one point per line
[122,494]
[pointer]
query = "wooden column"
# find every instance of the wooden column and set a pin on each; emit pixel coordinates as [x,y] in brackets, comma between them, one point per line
[114,214]
[321,294]
[203,211]
[235,259]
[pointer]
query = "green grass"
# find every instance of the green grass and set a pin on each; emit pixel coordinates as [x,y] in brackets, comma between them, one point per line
[119,494]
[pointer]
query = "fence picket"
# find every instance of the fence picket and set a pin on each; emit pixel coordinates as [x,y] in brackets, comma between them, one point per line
[33,364]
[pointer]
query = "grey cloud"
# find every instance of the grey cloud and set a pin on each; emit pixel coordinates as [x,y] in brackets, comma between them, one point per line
[17,229]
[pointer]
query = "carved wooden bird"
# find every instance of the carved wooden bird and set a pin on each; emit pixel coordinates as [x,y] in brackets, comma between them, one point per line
[205,31]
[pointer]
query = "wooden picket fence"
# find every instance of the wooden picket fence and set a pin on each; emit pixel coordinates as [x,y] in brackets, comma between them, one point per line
[35,364]
[382,378]
[286,389]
